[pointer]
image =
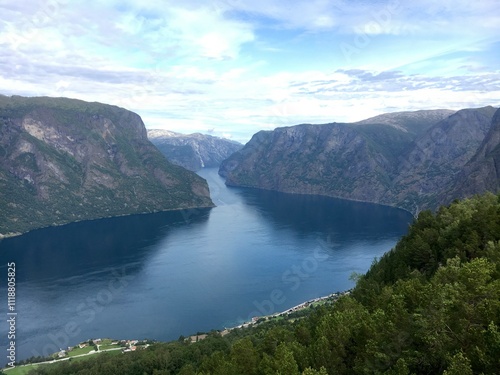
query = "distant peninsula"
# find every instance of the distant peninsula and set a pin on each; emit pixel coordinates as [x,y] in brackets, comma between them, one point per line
[64,160]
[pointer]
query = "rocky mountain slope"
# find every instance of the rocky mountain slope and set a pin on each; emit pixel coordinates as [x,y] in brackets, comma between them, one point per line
[193,151]
[436,158]
[415,122]
[64,160]
[482,172]
[394,159]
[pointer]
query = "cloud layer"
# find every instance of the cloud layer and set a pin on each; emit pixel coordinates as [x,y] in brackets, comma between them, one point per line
[238,66]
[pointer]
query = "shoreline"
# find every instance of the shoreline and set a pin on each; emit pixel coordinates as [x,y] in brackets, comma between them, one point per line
[112,345]
[198,337]
[17,234]
[413,214]
[299,307]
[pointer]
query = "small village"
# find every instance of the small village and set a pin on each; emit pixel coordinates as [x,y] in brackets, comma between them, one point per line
[90,347]
[93,346]
[96,346]
[313,302]
[260,319]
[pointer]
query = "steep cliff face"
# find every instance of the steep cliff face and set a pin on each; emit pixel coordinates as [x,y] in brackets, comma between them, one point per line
[64,160]
[332,159]
[482,172]
[433,162]
[193,151]
[392,160]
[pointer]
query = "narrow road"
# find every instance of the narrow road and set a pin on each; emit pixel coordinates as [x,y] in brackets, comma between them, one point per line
[64,359]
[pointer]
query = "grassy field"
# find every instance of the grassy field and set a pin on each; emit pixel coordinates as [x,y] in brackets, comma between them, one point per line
[106,344]
[22,370]
[109,346]
[113,352]
[80,351]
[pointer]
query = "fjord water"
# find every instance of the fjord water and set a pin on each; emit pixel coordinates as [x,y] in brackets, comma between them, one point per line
[163,275]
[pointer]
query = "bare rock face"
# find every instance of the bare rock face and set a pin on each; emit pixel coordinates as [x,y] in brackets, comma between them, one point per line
[193,151]
[482,172]
[332,159]
[408,160]
[64,160]
[432,165]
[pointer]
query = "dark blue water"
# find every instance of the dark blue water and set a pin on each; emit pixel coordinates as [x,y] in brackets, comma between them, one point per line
[164,275]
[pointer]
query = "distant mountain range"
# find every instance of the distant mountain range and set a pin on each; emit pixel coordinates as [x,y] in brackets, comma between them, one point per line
[64,160]
[412,160]
[193,151]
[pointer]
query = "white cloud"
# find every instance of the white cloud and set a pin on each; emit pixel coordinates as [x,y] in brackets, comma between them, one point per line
[182,30]
[378,17]
[232,66]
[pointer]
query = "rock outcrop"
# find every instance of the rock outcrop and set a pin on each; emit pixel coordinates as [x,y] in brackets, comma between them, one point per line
[64,160]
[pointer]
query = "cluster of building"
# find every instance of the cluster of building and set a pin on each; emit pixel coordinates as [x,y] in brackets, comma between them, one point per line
[126,345]
[129,345]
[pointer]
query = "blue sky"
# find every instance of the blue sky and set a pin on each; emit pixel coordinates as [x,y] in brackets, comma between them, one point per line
[234,67]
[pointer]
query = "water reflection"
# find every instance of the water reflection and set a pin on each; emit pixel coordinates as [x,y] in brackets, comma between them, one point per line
[162,275]
[308,213]
[77,248]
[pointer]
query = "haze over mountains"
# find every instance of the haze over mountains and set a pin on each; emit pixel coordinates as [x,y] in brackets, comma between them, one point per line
[64,160]
[412,160]
[193,151]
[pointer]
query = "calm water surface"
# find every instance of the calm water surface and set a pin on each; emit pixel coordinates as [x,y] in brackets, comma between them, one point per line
[164,275]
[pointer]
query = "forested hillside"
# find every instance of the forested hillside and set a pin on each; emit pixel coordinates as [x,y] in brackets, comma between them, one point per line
[429,306]
[65,160]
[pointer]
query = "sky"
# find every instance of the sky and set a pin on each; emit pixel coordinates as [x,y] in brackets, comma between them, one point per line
[234,67]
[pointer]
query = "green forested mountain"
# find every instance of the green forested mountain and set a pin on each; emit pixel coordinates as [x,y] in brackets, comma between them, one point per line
[429,306]
[64,160]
